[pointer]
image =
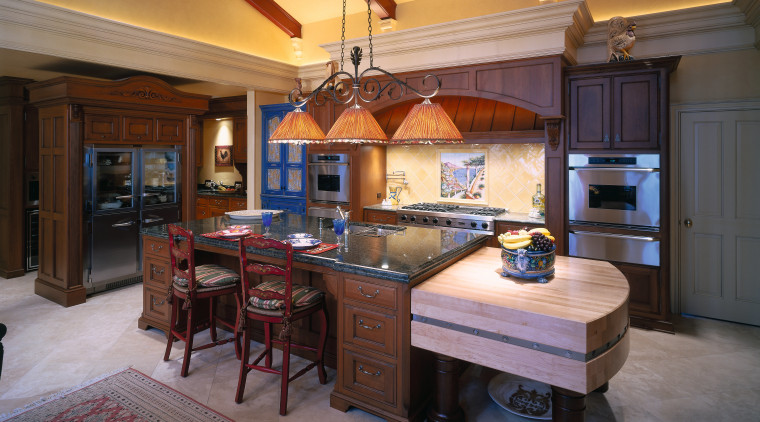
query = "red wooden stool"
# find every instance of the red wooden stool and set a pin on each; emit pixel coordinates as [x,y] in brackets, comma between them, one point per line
[191,285]
[278,302]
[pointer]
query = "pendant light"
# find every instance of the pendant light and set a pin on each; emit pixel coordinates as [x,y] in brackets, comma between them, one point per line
[426,123]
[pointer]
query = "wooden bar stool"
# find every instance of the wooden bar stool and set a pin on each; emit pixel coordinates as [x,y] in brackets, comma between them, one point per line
[277,302]
[191,285]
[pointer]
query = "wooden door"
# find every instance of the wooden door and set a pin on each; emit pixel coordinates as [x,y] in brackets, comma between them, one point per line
[636,112]
[589,102]
[719,229]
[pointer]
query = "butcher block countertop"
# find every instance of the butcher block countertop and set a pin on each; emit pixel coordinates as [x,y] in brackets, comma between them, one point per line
[570,332]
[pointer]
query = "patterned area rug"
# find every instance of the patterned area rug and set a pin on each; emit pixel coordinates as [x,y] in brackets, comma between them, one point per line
[127,395]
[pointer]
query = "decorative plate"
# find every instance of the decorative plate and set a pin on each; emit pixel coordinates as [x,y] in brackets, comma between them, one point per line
[300,236]
[251,214]
[304,243]
[235,233]
[530,399]
[238,227]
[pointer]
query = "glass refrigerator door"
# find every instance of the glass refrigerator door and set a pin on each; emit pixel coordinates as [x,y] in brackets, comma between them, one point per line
[113,180]
[159,177]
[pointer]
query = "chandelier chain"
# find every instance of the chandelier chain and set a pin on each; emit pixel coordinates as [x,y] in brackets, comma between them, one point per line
[369,27]
[342,35]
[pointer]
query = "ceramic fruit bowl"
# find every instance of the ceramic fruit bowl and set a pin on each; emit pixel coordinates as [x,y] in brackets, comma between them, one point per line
[527,264]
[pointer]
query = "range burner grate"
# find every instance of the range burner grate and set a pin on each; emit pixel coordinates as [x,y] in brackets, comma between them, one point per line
[458,209]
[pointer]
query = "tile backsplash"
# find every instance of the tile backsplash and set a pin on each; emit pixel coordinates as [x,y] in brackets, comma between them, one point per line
[513,172]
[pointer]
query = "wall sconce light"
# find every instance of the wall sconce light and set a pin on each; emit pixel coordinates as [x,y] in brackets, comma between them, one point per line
[297,47]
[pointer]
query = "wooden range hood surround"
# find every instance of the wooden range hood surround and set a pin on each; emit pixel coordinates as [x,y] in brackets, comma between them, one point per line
[519,101]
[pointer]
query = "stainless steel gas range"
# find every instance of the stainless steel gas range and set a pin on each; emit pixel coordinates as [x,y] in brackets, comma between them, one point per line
[460,217]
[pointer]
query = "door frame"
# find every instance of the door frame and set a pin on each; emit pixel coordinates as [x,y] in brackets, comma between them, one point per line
[676,112]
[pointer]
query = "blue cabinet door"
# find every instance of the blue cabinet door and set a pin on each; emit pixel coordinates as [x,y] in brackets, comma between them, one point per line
[283,165]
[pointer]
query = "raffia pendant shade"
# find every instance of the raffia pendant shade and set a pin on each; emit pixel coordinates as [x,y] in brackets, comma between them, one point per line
[427,123]
[298,127]
[356,125]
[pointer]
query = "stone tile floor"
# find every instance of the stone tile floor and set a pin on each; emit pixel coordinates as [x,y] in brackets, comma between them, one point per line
[708,371]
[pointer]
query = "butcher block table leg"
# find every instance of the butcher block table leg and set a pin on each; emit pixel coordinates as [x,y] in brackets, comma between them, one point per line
[567,406]
[445,406]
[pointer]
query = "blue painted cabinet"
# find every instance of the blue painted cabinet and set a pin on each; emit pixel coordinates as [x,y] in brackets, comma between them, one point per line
[283,166]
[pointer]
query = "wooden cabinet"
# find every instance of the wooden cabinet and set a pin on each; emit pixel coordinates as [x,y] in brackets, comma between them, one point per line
[381,217]
[170,130]
[215,206]
[102,127]
[374,356]
[120,126]
[196,131]
[156,282]
[240,139]
[138,129]
[283,169]
[620,106]
[646,297]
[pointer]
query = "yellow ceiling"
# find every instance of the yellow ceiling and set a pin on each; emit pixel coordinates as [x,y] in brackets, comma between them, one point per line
[234,24]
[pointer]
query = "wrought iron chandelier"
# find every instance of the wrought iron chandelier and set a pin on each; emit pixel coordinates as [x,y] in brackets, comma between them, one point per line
[426,123]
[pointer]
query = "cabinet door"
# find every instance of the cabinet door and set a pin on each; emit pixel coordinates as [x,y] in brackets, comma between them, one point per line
[138,129]
[589,113]
[295,170]
[272,176]
[636,111]
[101,127]
[170,131]
[383,217]
[644,282]
[196,131]
[240,140]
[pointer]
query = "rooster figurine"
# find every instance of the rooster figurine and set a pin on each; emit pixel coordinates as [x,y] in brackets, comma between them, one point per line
[621,39]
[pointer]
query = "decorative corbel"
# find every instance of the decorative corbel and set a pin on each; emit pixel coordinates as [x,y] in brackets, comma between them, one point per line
[551,127]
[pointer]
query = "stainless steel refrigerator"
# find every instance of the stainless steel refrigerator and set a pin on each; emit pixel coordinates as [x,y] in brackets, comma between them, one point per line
[125,189]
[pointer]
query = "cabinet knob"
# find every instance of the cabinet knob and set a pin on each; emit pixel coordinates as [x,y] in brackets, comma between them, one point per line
[606,138]
[687,223]
[617,137]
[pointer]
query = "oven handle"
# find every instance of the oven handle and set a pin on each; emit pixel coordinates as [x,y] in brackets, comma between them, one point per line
[328,164]
[646,170]
[615,236]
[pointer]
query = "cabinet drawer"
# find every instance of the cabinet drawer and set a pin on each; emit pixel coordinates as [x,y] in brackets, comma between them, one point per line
[370,330]
[201,200]
[216,212]
[219,202]
[156,247]
[138,129]
[202,212]
[371,293]
[170,130]
[101,127]
[157,272]
[369,377]
[155,305]
[380,217]
[238,204]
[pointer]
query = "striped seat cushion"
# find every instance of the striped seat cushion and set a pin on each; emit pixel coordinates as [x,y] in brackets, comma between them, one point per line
[302,295]
[211,275]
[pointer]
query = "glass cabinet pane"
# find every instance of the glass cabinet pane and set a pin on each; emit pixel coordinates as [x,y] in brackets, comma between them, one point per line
[159,177]
[273,179]
[113,180]
[295,180]
[295,153]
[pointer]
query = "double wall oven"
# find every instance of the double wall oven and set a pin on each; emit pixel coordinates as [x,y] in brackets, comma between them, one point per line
[616,199]
[329,183]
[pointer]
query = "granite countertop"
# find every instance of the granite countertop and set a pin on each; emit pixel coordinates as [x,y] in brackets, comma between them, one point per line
[401,256]
[230,194]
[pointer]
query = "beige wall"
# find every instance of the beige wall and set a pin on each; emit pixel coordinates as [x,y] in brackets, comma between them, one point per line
[513,172]
[217,132]
[725,76]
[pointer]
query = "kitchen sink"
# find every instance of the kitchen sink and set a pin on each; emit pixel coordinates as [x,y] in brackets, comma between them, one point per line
[375,230]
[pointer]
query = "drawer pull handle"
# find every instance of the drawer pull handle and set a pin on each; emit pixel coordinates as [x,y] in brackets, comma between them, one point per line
[153,247]
[367,327]
[376,374]
[372,296]
[153,299]
[157,272]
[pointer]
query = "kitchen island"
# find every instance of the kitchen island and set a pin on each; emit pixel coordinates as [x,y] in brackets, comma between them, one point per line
[368,283]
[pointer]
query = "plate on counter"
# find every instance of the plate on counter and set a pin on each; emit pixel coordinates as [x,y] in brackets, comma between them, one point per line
[251,214]
[232,233]
[300,236]
[526,398]
[304,243]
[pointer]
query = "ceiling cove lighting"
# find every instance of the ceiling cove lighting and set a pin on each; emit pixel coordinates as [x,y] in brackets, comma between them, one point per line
[426,123]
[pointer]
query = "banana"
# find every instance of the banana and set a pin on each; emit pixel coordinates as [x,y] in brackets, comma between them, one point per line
[541,230]
[550,237]
[515,238]
[516,245]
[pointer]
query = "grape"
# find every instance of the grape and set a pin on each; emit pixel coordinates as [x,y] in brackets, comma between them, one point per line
[540,242]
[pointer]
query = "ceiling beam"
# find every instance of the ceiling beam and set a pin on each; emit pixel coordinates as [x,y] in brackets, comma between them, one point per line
[384,8]
[279,16]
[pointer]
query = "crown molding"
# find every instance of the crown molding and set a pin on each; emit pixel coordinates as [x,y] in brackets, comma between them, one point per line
[751,9]
[549,29]
[41,28]
[698,30]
